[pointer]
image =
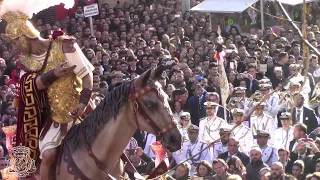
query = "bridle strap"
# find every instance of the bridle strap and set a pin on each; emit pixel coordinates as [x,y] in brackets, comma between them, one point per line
[137,108]
[135,104]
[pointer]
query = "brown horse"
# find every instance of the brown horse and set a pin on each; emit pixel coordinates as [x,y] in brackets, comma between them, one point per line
[94,146]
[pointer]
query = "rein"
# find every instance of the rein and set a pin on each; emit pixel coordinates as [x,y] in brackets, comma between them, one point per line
[137,108]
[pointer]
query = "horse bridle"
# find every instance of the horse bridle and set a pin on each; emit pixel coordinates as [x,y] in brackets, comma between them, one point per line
[137,109]
[134,96]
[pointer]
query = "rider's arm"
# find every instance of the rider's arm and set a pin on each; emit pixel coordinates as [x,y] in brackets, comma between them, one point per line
[45,80]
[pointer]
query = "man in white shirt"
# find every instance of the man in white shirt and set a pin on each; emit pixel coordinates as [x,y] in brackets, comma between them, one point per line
[242,132]
[193,147]
[222,146]
[261,121]
[209,126]
[271,107]
[269,153]
[284,134]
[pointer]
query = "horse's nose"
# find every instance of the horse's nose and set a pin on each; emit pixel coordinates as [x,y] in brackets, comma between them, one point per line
[175,140]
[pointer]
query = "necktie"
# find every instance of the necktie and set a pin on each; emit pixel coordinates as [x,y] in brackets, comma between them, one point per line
[298,116]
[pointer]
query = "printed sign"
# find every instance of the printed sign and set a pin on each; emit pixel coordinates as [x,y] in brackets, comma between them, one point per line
[91,10]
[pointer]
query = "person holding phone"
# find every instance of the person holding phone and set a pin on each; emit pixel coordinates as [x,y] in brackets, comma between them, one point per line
[302,152]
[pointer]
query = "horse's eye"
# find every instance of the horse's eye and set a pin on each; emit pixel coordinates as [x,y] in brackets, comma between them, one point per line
[151,105]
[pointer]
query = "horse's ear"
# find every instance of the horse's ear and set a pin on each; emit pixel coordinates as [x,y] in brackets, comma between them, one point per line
[145,79]
[157,73]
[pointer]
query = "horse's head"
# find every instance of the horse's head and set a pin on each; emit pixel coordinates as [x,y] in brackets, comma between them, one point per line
[152,110]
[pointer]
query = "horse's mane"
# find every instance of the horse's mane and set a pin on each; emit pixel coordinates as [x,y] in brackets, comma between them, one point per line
[103,113]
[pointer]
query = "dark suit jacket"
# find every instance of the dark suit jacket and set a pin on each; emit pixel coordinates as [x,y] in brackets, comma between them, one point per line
[196,107]
[309,118]
[254,87]
[220,114]
[242,156]
[291,145]
[138,70]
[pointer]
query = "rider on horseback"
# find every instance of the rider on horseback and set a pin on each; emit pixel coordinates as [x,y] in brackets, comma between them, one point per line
[56,79]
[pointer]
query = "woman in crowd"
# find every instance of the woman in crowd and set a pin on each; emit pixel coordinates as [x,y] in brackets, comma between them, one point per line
[236,167]
[203,169]
[177,111]
[298,170]
[314,176]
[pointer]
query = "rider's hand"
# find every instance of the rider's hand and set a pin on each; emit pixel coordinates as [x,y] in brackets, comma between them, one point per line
[79,109]
[61,70]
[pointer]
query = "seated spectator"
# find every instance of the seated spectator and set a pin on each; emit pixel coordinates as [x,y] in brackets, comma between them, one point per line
[203,169]
[220,167]
[256,164]
[182,172]
[233,150]
[314,176]
[298,170]
[236,167]
[235,177]
[284,159]
[139,160]
[264,172]
[277,172]
[318,165]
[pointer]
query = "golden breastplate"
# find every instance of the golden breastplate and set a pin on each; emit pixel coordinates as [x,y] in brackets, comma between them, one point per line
[63,94]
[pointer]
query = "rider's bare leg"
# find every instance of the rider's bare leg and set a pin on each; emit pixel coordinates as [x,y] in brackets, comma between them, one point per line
[47,165]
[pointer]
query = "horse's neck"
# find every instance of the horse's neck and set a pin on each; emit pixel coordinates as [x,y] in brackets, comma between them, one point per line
[114,137]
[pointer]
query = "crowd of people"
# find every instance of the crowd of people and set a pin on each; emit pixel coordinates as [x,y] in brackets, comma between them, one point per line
[267,129]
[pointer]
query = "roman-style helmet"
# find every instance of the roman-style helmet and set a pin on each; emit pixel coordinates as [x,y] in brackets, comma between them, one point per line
[18,12]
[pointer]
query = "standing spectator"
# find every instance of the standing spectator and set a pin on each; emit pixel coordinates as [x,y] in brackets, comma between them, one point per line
[241,131]
[220,110]
[284,134]
[302,114]
[196,102]
[299,131]
[210,125]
